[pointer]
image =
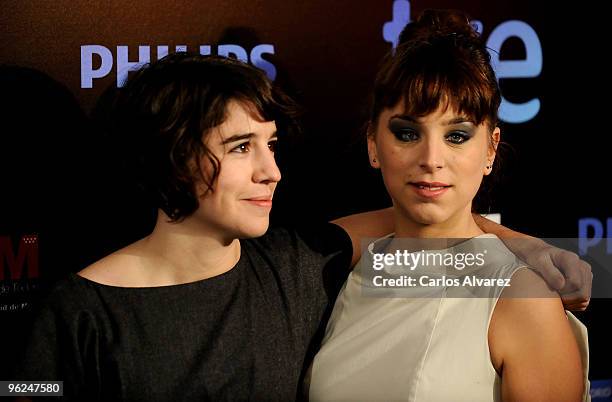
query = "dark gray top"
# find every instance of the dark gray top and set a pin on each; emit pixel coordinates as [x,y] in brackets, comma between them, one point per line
[242,335]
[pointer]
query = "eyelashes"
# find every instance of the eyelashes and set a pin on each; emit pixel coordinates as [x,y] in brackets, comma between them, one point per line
[407,134]
[272,145]
[246,147]
[242,148]
[458,137]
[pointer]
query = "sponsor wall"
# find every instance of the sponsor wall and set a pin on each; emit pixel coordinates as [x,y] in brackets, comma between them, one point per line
[64,201]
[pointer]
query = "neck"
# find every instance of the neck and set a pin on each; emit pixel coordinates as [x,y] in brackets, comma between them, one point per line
[460,225]
[184,252]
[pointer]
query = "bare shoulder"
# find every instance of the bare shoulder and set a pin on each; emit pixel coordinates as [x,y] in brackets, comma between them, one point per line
[116,269]
[531,342]
[523,307]
[528,305]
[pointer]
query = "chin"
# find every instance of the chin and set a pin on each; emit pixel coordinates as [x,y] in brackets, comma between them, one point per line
[254,230]
[428,215]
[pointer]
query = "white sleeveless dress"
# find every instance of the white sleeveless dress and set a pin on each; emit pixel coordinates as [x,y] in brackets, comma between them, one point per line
[413,348]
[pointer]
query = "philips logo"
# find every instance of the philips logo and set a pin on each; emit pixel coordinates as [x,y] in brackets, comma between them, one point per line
[124,65]
[529,67]
[601,391]
[586,226]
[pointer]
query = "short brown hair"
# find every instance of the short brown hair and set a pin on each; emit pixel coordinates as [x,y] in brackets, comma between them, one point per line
[166,110]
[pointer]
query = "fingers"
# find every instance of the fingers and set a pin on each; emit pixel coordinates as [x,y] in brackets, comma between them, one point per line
[575,301]
[572,303]
[567,273]
[576,294]
[570,266]
[578,275]
[576,307]
[542,262]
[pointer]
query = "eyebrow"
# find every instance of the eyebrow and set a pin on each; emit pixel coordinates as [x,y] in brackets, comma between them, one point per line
[454,120]
[246,136]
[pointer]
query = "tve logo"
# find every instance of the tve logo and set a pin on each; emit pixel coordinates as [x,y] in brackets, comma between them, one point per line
[585,241]
[529,67]
[123,65]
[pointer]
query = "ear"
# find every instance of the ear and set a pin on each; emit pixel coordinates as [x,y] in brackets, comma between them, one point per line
[372,152]
[492,150]
[495,138]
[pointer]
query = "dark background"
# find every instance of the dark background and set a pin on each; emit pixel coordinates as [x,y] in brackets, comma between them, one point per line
[60,181]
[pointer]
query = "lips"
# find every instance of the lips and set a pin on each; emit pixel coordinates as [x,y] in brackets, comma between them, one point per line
[260,198]
[431,185]
[430,189]
[264,201]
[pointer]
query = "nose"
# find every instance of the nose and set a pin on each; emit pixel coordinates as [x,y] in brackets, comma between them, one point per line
[265,169]
[431,154]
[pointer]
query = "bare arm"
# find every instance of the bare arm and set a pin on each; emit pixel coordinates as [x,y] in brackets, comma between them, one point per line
[372,224]
[562,269]
[533,348]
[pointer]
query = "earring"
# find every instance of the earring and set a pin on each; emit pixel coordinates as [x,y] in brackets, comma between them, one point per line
[373,160]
